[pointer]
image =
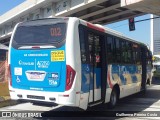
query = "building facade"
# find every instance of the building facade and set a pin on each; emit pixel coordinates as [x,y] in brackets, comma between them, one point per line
[155,35]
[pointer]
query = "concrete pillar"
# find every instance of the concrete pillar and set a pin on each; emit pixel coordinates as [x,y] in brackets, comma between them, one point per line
[151,31]
[41,12]
[53,8]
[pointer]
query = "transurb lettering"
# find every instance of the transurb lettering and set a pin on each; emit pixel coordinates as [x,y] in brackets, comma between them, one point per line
[25,63]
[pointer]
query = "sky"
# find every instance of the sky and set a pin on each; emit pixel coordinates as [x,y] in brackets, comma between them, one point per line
[142,29]
[142,32]
[6,5]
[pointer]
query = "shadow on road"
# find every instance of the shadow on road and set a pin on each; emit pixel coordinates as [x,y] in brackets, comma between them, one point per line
[132,104]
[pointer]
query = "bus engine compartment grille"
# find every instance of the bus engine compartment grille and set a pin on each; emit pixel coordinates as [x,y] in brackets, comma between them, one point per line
[36,97]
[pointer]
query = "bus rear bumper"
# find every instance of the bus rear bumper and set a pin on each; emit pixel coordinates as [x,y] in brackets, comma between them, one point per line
[64,98]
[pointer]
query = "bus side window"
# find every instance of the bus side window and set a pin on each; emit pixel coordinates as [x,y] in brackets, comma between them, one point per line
[134,56]
[129,53]
[97,51]
[91,47]
[110,49]
[82,45]
[124,52]
[138,55]
[118,50]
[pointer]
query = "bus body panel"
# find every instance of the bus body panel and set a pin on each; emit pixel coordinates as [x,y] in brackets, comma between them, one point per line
[35,70]
[73,58]
[128,77]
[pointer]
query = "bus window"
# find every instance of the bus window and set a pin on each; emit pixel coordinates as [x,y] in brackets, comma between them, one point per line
[91,52]
[118,50]
[48,34]
[124,52]
[129,52]
[110,49]
[94,49]
[136,54]
[97,51]
[82,45]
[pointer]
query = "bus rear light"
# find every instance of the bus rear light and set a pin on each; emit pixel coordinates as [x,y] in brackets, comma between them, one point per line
[9,75]
[70,77]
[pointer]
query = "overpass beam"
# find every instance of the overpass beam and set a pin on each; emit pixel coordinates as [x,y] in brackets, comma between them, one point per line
[53,9]
[146,6]
[75,6]
[100,11]
[110,16]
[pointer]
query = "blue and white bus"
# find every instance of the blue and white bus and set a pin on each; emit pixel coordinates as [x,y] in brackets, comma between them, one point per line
[71,62]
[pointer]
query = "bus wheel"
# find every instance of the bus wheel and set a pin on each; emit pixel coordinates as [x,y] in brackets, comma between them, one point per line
[113,99]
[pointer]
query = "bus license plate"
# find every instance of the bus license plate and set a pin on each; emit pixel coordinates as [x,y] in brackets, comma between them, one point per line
[35,76]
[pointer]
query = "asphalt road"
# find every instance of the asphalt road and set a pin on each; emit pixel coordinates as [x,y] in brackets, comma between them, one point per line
[141,106]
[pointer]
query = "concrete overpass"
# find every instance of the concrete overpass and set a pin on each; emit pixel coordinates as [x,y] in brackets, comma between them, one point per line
[95,11]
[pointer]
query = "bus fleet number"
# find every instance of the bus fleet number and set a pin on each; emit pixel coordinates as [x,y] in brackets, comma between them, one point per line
[55,31]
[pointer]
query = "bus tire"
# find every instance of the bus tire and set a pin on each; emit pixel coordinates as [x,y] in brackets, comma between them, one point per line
[113,99]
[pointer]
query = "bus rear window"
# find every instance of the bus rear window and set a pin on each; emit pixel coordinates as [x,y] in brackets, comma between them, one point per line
[40,34]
